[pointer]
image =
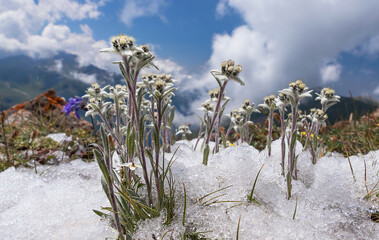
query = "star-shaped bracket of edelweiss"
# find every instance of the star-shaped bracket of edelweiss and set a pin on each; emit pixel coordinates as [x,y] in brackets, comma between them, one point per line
[130,165]
[220,77]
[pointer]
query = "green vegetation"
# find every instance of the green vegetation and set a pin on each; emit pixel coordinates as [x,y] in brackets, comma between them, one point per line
[27,143]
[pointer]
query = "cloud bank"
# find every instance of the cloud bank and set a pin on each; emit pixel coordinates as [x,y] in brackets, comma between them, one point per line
[141,8]
[35,29]
[282,41]
[31,28]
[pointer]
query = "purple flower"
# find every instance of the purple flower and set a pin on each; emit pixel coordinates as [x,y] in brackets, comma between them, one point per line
[73,105]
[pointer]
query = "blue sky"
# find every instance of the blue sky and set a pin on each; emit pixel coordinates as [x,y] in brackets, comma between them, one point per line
[324,42]
[179,30]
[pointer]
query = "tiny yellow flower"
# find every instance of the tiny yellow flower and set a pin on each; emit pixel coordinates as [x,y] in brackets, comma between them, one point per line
[317,136]
[304,133]
[231,144]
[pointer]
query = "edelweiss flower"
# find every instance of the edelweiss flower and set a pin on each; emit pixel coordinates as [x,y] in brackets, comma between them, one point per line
[248,108]
[159,86]
[318,115]
[184,130]
[96,96]
[207,107]
[167,79]
[118,92]
[124,46]
[148,80]
[96,92]
[131,166]
[282,100]
[327,98]
[214,94]
[237,120]
[296,91]
[231,114]
[268,102]
[121,44]
[228,72]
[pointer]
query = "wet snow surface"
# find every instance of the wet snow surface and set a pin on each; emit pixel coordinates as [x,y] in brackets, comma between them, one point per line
[58,204]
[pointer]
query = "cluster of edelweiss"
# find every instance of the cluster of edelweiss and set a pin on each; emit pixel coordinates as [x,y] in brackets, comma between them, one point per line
[240,119]
[136,125]
[296,120]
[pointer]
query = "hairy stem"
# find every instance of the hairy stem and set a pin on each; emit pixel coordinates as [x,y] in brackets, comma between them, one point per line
[222,89]
[283,133]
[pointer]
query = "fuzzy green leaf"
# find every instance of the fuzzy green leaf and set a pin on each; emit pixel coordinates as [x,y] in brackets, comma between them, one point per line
[206,154]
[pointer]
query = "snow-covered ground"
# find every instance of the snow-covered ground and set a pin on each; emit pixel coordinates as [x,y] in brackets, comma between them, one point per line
[58,204]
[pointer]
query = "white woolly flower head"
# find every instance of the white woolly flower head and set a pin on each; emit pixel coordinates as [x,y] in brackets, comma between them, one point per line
[269,102]
[131,165]
[282,100]
[228,72]
[318,115]
[248,108]
[125,46]
[184,130]
[327,97]
[214,95]
[207,107]
[296,91]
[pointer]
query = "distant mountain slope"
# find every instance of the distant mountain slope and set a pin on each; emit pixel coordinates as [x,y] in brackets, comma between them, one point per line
[358,106]
[23,78]
[340,111]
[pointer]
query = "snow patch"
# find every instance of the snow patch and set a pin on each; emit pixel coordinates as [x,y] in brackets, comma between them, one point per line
[57,203]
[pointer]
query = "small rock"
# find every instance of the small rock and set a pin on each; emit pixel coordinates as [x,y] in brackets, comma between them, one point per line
[59,137]
[47,106]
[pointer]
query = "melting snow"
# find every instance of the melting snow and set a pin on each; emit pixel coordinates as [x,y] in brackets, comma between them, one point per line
[58,204]
[330,204]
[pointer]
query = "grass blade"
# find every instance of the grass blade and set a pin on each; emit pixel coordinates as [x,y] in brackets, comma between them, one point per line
[238,227]
[200,199]
[185,204]
[250,197]
[294,213]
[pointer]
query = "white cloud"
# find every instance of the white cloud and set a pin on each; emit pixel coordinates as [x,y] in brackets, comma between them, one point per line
[141,8]
[376,91]
[190,119]
[55,38]
[86,78]
[286,40]
[22,18]
[331,73]
[170,67]
[372,46]
[57,66]
[28,27]
[221,8]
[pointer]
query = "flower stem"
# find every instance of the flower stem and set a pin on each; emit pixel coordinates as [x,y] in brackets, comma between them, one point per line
[222,89]
[269,137]
[283,132]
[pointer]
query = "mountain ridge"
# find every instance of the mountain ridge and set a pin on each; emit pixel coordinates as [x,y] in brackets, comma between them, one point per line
[23,78]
